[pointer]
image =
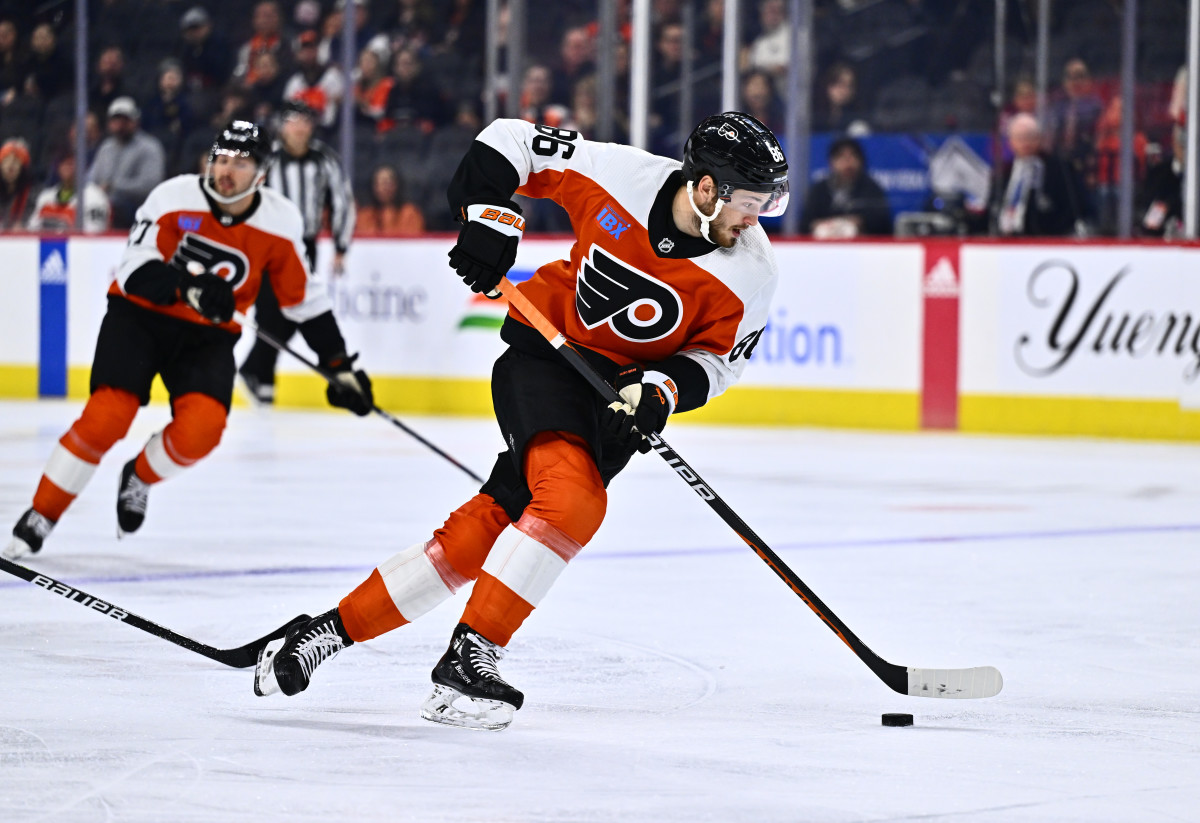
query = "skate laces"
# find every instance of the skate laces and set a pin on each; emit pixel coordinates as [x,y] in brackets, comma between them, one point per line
[136,494]
[319,644]
[484,654]
[37,523]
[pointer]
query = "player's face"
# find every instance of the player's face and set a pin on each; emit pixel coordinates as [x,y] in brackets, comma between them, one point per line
[740,212]
[231,175]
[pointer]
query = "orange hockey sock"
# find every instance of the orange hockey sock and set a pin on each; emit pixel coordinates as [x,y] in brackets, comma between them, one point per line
[105,420]
[195,430]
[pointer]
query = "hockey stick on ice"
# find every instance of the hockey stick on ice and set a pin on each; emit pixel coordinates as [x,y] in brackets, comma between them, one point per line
[980,681]
[279,345]
[242,657]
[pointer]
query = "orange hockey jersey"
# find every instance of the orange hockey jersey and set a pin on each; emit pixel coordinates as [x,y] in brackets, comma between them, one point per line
[178,222]
[627,292]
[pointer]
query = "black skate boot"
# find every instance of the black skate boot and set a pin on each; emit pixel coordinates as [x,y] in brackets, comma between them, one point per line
[468,669]
[28,535]
[287,665]
[132,498]
[261,393]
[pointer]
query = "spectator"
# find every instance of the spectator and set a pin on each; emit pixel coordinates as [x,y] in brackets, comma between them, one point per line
[11,62]
[387,210]
[1039,193]
[47,72]
[536,106]
[267,91]
[710,34]
[318,84]
[108,83]
[666,77]
[168,114]
[760,100]
[267,25]
[16,179]
[1162,195]
[330,48]
[1072,119]
[54,209]
[836,106]
[205,55]
[462,27]
[371,91]
[412,100]
[770,51]
[409,24]
[847,203]
[129,163]
[576,56]
[59,143]
[1108,165]
[1022,101]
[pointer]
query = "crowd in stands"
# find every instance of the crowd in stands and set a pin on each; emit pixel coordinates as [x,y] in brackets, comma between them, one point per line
[164,75]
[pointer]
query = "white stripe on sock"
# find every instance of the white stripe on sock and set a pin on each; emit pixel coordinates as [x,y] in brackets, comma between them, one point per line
[413,582]
[67,471]
[159,460]
[523,564]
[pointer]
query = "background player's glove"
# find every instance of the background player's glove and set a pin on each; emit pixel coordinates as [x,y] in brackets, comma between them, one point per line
[644,410]
[351,388]
[487,246]
[209,294]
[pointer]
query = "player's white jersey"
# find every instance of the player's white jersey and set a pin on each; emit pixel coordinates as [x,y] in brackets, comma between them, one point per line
[626,292]
[178,222]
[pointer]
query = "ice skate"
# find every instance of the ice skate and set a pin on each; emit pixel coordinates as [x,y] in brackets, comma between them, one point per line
[132,498]
[260,393]
[27,536]
[287,665]
[467,674]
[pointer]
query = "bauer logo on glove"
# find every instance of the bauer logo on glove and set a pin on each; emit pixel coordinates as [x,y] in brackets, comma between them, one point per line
[487,246]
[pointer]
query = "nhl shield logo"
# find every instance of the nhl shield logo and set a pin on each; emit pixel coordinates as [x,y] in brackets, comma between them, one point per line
[665,245]
[635,305]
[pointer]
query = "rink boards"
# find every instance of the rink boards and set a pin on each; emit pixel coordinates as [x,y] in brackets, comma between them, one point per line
[1081,338]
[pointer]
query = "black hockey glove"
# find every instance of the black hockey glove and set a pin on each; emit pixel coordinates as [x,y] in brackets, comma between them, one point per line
[210,295]
[487,246]
[351,388]
[646,406]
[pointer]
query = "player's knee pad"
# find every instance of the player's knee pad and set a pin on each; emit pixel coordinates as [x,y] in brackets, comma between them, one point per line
[568,492]
[197,427]
[105,420]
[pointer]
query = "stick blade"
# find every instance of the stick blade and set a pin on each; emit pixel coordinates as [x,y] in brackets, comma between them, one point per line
[981,681]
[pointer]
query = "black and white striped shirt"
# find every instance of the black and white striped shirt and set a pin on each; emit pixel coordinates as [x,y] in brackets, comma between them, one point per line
[315,182]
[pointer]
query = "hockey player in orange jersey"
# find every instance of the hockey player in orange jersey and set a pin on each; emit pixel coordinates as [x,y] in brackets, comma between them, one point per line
[198,251]
[666,292]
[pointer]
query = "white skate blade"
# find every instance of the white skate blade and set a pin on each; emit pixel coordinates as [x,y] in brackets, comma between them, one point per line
[264,671]
[16,549]
[485,715]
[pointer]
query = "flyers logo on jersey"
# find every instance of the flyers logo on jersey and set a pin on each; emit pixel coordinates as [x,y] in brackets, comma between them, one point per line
[635,305]
[219,259]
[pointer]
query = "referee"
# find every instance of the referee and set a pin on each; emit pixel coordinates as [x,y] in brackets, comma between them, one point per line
[309,173]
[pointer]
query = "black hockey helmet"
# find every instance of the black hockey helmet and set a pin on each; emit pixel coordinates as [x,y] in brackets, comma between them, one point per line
[738,152]
[240,138]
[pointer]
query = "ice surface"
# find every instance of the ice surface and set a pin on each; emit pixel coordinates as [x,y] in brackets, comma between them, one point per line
[669,676]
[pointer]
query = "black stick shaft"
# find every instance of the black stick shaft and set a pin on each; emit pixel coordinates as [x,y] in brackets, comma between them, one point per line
[895,677]
[279,345]
[239,658]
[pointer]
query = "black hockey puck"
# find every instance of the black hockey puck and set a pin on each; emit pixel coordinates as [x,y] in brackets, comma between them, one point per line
[897,720]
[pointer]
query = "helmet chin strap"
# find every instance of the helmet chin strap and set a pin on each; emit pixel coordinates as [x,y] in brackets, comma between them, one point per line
[705,219]
[259,178]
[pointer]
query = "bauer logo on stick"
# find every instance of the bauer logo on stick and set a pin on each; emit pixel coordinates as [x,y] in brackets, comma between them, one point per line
[80,597]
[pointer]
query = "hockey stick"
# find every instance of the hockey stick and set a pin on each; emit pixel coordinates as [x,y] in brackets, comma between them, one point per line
[242,657]
[980,681]
[279,345]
